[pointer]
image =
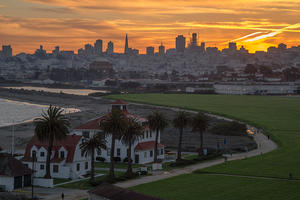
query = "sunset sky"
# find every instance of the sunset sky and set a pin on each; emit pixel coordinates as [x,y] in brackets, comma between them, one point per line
[256,24]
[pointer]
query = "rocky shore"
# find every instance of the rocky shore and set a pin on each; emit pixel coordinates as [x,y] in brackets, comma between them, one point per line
[92,107]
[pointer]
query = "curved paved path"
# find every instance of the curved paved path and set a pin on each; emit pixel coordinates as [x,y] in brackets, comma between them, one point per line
[265,145]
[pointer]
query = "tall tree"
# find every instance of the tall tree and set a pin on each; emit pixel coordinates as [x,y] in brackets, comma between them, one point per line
[89,146]
[113,125]
[199,124]
[133,132]
[180,122]
[51,125]
[157,122]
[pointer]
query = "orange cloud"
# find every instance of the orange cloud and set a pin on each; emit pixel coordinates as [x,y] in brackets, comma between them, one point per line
[72,23]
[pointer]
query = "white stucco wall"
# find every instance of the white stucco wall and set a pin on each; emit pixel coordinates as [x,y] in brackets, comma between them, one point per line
[8,182]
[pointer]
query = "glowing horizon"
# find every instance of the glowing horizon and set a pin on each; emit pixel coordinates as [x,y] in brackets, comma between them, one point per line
[257,25]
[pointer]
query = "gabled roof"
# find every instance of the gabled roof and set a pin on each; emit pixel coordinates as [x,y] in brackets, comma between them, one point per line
[90,125]
[69,143]
[147,146]
[9,166]
[113,192]
[94,123]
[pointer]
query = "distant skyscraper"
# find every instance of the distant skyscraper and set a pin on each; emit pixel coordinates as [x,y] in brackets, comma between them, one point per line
[202,47]
[180,43]
[161,51]
[150,51]
[194,41]
[126,49]
[55,52]
[232,46]
[88,49]
[6,51]
[98,47]
[110,47]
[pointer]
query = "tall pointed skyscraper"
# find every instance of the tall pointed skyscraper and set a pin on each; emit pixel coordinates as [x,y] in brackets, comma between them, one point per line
[126,45]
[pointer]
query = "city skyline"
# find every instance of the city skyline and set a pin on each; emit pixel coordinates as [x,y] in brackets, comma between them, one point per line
[257,25]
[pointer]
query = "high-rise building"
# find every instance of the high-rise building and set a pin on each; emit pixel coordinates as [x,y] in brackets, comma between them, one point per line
[161,50]
[6,51]
[202,47]
[150,51]
[194,41]
[41,52]
[55,52]
[98,47]
[88,49]
[180,43]
[110,47]
[232,46]
[126,49]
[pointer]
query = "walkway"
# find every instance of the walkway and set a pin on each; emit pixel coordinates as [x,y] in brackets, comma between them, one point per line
[264,146]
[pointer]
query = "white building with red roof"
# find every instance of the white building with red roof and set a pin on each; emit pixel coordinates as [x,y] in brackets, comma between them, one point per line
[67,159]
[142,151]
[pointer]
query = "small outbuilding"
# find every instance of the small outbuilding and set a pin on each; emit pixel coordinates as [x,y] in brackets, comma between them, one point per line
[112,192]
[13,173]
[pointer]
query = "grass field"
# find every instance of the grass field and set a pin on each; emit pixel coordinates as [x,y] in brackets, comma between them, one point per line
[279,116]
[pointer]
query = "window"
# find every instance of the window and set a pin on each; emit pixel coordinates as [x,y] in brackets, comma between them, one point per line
[108,151]
[55,168]
[82,153]
[86,134]
[145,154]
[86,165]
[151,153]
[62,154]
[147,135]
[78,166]
[42,167]
[150,134]
[162,151]
[42,154]
[118,152]
[34,154]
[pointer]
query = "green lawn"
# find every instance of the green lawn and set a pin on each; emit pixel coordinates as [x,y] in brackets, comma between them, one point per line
[279,116]
[201,186]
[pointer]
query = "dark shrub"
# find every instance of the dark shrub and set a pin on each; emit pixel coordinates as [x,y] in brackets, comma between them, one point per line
[126,160]
[117,159]
[100,159]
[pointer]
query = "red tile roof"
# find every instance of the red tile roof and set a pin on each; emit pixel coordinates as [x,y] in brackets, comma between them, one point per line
[119,102]
[9,166]
[94,123]
[147,146]
[90,125]
[69,143]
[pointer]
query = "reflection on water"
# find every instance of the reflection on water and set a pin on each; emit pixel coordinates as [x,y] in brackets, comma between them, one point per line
[83,92]
[14,112]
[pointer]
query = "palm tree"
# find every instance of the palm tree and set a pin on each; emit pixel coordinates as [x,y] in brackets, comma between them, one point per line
[89,146]
[157,122]
[180,122]
[132,134]
[52,125]
[199,124]
[113,125]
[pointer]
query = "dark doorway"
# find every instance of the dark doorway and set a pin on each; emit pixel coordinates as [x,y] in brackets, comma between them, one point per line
[27,180]
[18,182]
[136,158]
